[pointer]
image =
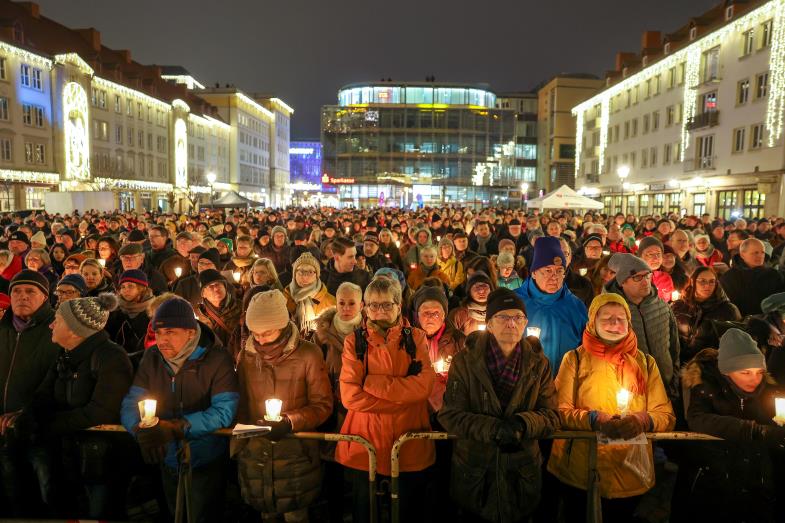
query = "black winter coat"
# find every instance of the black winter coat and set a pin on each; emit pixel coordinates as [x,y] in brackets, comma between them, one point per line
[696,331]
[25,357]
[333,279]
[84,388]
[747,287]
[126,331]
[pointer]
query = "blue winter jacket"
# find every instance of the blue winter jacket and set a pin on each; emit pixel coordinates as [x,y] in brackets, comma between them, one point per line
[204,392]
[561,318]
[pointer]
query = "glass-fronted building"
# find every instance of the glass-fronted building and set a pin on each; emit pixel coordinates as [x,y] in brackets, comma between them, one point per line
[410,143]
[305,162]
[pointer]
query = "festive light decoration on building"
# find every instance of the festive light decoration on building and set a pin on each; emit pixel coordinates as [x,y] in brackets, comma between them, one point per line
[179,104]
[180,154]
[605,116]
[135,185]
[282,104]
[691,56]
[578,139]
[133,93]
[776,102]
[10,175]
[77,132]
[26,56]
[75,59]
[247,100]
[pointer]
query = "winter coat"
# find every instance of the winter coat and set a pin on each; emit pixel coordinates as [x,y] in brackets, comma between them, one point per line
[376,262]
[580,286]
[392,254]
[491,246]
[736,473]
[417,276]
[588,384]
[495,485]
[694,320]
[203,392]
[126,331]
[383,403]
[285,476]
[561,318]
[190,290]
[453,269]
[25,357]
[104,286]
[322,301]
[709,258]
[512,283]
[460,320]
[157,257]
[155,279]
[658,334]
[84,388]
[227,332]
[279,257]
[747,287]
[333,279]
[663,282]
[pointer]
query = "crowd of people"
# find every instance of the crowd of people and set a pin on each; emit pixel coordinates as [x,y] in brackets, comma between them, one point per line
[497,326]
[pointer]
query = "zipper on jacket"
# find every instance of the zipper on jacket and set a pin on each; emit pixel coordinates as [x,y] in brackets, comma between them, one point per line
[741,401]
[10,370]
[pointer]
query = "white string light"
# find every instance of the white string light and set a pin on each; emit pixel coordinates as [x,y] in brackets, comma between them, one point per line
[691,79]
[605,118]
[29,176]
[578,140]
[776,102]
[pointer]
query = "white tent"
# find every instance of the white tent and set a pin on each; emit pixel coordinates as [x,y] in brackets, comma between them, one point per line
[563,198]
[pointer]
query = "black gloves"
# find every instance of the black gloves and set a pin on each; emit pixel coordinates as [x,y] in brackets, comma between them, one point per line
[415,368]
[772,435]
[153,440]
[279,429]
[508,436]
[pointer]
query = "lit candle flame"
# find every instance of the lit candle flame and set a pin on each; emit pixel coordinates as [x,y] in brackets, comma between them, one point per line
[273,409]
[623,401]
[779,408]
[440,366]
[481,327]
[533,331]
[675,295]
[102,262]
[583,271]
[178,271]
[236,275]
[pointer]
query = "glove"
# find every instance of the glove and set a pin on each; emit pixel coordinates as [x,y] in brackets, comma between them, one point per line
[633,424]
[154,440]
[415,367]
[278,429]
[772,435]
[607,425]
[508,436]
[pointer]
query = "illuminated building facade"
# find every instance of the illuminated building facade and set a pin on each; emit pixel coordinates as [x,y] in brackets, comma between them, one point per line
[697,118]
[410,143]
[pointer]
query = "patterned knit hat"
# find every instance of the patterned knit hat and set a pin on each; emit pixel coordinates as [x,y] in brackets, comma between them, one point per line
[307,258]
[86,316]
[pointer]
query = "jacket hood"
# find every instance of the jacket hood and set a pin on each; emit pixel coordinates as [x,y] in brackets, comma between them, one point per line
[325,319]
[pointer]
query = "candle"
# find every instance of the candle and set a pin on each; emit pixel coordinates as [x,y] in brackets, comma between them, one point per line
[413,266]
[637,243]
[779,407]
[236,275]
[533,331]
[605,253]
[438,238]
[387,255]
[440,366]
[481,327]
[178,271]
[147,413]
[675,295]
[102,262]
[623,401]
[583,271]
[397,243]
[347,230]
[273,409]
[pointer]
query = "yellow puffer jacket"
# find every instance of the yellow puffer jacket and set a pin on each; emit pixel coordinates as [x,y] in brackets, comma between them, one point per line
[622,473]
[453,269]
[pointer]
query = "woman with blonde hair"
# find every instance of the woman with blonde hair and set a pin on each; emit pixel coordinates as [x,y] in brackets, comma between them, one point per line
[95,277]
[263,273]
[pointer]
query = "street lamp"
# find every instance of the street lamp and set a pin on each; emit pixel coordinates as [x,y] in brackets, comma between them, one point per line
[211,181]
[623,171]
[524,191]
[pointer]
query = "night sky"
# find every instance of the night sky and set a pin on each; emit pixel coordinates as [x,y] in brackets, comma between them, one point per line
[303,51]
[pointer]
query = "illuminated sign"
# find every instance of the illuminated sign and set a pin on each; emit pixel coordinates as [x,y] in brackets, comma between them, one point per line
[336,181]
[302,186]
[180,154]
[301,150]
[372,116]
[77,143]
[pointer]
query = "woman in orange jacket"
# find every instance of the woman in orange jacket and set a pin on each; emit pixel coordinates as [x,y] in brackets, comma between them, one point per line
[386,379]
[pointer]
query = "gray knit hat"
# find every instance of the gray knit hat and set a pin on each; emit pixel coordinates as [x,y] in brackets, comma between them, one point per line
[773,303]
[738,351]
[86,316]
[626,265]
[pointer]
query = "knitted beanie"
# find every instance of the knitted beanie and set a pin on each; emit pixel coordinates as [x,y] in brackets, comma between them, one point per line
[174,313]
[209,276]
[626,265]
[76,281]
[28,277]
[136,236]
[307,259]
[503,299]
[505,259]
[773,303]
[371,237]
[267,311]
[601,300]
[475,278]
[134,276]
[738,351]
[87,316]
[547,251]
[39,238]
[212,255]
[427,293]
[279,228]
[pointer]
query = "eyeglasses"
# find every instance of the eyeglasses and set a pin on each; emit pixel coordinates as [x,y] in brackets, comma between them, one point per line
[639,277]
[61,293]
[305,272]
[652,254]
[701,281]
[504,319]
[552,273]
[72,266]
[386,306]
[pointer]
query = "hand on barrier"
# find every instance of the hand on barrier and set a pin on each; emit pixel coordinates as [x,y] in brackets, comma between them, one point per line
[153,440]
[278,429]
[509,435]
[772,435]
[415,367]
[633,424]
[607,425]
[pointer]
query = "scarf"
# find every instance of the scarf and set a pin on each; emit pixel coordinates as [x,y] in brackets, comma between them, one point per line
[505,371]
[303,297]
[19,323]
[477,311]
[242,263]
[621,357]
[179,360]
[481,244]
[133,308]
[271,352]
[433,343]
[742,394]
[382,326]
[345,328]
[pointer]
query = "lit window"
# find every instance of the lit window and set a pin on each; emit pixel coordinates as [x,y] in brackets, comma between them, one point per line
[24,75]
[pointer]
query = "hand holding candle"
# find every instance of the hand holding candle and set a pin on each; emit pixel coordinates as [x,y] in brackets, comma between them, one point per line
[237,275]
[623,402]
[273,409]
[533,331]
[779,408]
[178,271]
[147,413]
[675,295]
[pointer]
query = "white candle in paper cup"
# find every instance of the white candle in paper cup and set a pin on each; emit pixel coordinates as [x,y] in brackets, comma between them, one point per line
[533,331]
[178,271]
[623,401]
[481,327]
[147,413]
[236,275]
[583,271]
[273,409]
[779,408]
[675,295]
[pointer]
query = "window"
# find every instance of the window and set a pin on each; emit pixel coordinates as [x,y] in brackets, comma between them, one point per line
[738,139]
[756,136]
[698,203]
[102,99]
[655,121]
[643,200]
[646,124]
[726,203]
[754,203]
[682,72]
[27,114]
[671,77]
[765,40]
[709,102]
[666,154]
[129,107]
[40,153]
[644,158]
[34,197]
[2,69]
[679,112]
[658,204]
[3,108]
[655,87]
[118,134]
[674,203]
[6,146]
[149,141]
[747,42]
[626,129]
[24,75]
[130,137]
[35,79]
[29,154]
[653,157]
[118,104]
[670,115]
[140,139]
[705,151]
[634,127]
[761,85]
[743,92]
[711,65]
[139,112]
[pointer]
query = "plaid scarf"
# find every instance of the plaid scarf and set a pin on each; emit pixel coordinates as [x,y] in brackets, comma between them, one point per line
[505,372]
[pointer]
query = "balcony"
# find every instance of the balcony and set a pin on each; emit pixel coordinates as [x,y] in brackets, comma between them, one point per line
[702,163]
[707,119]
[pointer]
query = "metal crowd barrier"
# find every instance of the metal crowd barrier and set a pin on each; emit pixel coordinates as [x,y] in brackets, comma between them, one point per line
[593,502]
[183,505]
